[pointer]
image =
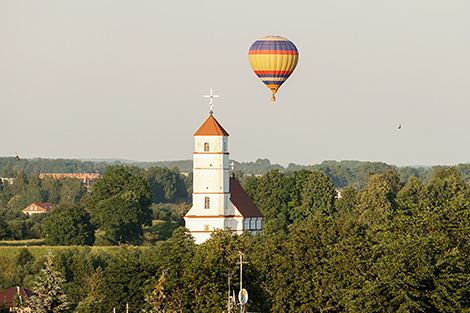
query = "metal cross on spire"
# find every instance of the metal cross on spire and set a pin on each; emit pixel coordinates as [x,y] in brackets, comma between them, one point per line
[211,96]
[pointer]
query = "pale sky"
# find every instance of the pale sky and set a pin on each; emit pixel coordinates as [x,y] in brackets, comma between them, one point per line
[126,79]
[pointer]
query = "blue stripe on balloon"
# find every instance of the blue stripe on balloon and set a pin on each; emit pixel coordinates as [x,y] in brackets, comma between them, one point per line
[273,45]
[273,82]
[274,75]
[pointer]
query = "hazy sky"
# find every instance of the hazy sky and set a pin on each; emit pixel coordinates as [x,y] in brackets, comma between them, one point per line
[126,79]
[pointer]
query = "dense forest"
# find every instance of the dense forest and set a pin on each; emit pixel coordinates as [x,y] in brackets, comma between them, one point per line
[344,173]
[397,240]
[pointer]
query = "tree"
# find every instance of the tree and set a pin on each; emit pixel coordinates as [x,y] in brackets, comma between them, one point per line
[120,205]
[213,260]
[271,194]
[52,298]
[174,262]
[166,185]
[4,229]
[420,263]
[157,298]
[95,300]
[71,190]
[447,186]
[316,267]
[317,196]
[125,278]
[69,226]
[377,201]
[346,205]
[412,196]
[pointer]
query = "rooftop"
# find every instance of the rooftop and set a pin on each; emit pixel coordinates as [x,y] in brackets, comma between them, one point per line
[211,128]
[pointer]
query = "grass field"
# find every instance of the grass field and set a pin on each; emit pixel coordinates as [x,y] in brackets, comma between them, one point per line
[9,249]
[22,243]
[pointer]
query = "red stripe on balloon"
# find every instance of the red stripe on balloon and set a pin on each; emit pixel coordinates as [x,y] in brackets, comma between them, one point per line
[273,52]
[274,72]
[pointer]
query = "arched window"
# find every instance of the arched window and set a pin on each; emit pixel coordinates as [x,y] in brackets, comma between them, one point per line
[207,203]
[206,147]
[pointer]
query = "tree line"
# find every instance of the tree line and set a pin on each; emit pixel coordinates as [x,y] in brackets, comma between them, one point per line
[343,173]
[393,246]
[155,193]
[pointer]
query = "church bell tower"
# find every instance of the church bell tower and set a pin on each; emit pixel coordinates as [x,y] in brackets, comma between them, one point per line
[213,188]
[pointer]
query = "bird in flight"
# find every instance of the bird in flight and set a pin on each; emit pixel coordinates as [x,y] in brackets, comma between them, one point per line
[399,126]
[17,156]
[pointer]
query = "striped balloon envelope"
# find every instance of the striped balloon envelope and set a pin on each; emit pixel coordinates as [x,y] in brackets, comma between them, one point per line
[273,59]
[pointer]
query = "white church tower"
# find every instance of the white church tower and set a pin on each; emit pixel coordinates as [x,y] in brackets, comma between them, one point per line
[219,201]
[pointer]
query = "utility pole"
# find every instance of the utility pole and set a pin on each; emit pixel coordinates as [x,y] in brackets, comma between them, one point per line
[242,291]
[229,298]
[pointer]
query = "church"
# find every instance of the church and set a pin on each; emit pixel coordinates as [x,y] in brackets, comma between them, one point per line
[219,201]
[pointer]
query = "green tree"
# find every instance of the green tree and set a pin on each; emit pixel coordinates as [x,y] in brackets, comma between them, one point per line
[316,267]
[95,300]
[340,174]
[174,263]
[377,201]
[120,205]
[52,298]
[165,185]
[271,194]
[4,308]
[125,278]
[71,190]
[412,196]
[4,229]
[69,226]
[213,261]
[317,196]
[420,264]
[446,186]
[346,204]
[78,266]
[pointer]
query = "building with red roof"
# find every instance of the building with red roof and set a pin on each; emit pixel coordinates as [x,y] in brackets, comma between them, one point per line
[7,297]
[219,201]
[38,207]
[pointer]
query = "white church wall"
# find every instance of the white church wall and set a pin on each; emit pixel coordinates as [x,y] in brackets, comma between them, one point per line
[216,204]
[211,160]
[216,143]
[210,180]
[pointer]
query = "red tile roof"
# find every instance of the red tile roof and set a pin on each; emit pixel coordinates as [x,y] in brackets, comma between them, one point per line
[45,205]
[241,200]
[8,295]
[41,207]
[211,128]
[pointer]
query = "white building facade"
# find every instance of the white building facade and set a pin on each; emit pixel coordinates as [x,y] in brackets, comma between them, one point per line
[219,202]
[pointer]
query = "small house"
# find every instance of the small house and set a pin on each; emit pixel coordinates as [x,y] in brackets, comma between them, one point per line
[38,207]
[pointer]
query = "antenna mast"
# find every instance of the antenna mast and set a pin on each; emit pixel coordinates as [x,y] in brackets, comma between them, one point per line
[243,294]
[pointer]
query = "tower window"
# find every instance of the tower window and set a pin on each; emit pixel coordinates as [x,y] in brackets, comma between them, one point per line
[207,203]
[206,147]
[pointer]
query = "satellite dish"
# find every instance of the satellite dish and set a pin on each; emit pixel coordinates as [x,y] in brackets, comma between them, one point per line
[243,296]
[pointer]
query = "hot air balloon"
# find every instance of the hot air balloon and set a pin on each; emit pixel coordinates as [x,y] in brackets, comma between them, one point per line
[273,59]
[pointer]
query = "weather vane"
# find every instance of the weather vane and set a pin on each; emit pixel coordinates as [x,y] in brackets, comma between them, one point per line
[211,96]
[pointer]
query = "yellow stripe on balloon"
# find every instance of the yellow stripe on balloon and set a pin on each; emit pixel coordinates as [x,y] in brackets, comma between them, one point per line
[270,62]
[274,79]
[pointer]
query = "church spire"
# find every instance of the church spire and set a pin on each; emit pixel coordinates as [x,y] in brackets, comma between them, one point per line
[211,96]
